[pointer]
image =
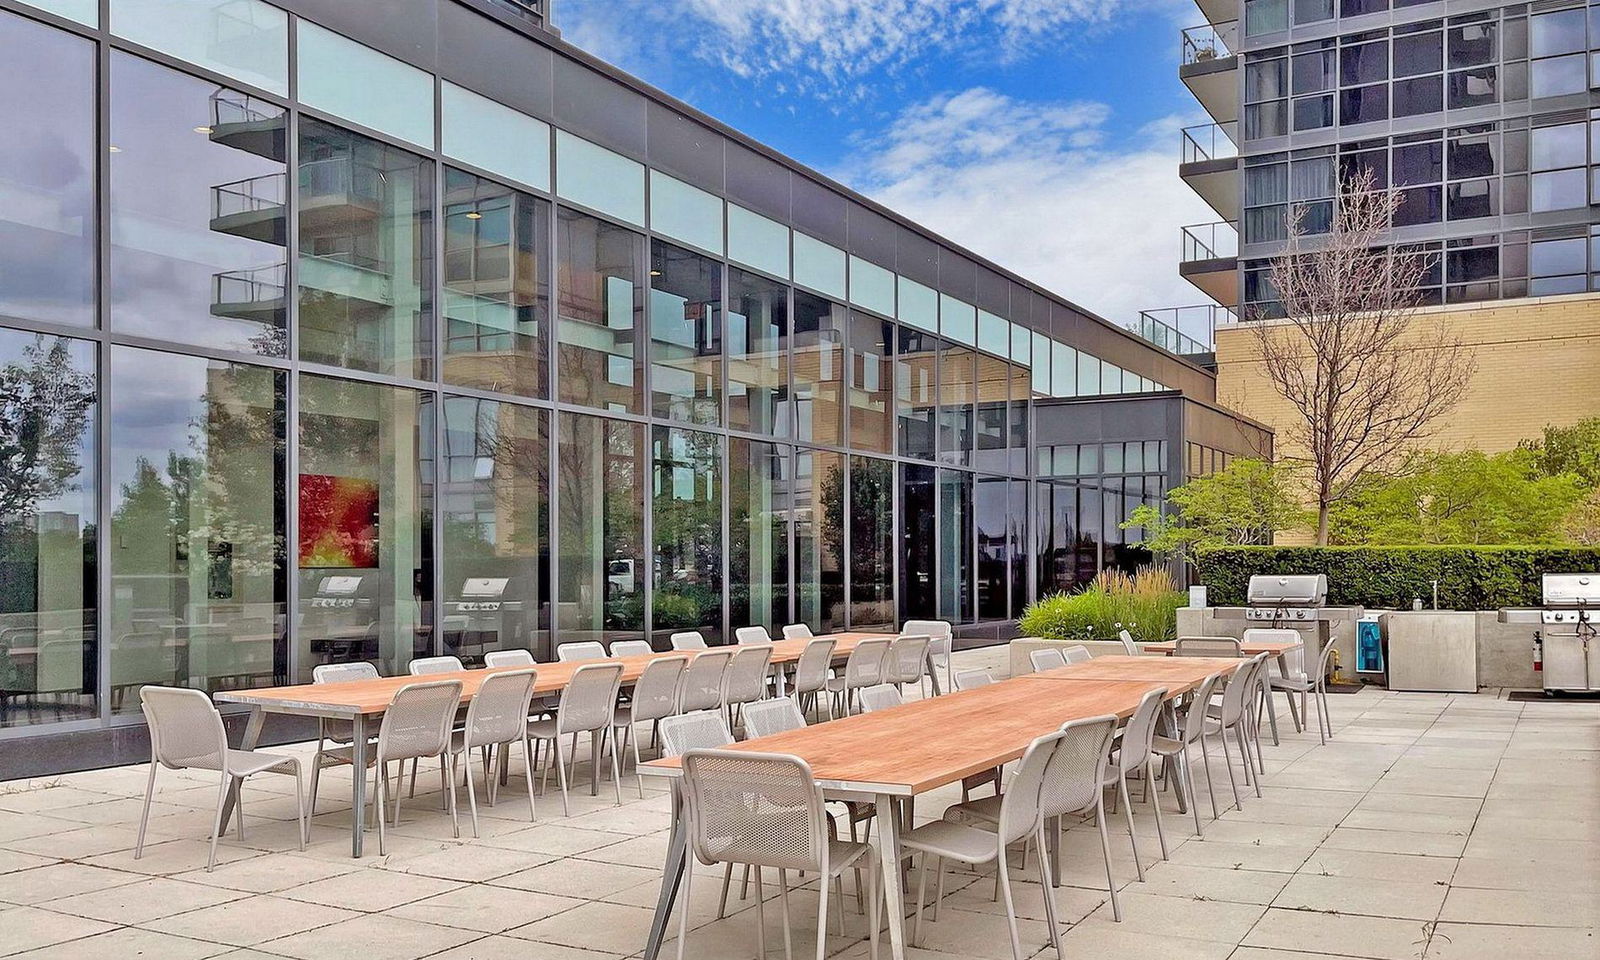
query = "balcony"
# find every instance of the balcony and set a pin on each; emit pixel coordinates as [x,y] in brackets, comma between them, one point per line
[248,123]
[1210,166]
[1219,11]
[1188,331]
[257,294]
[1209,67]
[253,208]
[1210,260]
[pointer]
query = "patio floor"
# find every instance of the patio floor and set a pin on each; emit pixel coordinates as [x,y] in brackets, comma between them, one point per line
[1433,826]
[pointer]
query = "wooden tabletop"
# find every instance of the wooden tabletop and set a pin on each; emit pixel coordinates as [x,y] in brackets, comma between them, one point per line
[909,749]
[1274,647]
[1178,674]
[369,697]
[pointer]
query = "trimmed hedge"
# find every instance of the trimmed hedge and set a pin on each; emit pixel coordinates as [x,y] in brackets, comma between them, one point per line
[1470,578]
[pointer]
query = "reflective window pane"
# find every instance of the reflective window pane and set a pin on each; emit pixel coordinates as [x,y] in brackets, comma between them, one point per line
[199,586]
[47,170]
[916,403]
[1017,545]
[819,327]
[365,559]
[958,320]
[86,12]
[819,539]
[48,649]
[994,334]
[1069,379]
[871,544]
[685,335]
[198,211]
[685,213]
[1553,33]
[1561,190]
[1041,364]
[354,81]
[247,40]
[496,285]
[1558,146]
[955,546]
[758,354]
[957,389]
[687,521]
[494,137]
[760,483]
[600,283]
[993,392]
[919,305]
[600,483]
[366,253]
[755,241]
[918,510]
[871,410]
[1558,76]
[872,287]
[819,266]
[1553,257]
[599,179]
[993,547]
[494,505]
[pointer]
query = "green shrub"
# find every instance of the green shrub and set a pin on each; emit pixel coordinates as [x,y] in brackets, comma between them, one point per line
[1146,605]
[1470,578]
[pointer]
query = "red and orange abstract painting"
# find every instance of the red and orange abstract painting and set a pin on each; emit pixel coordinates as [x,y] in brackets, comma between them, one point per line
[338,522]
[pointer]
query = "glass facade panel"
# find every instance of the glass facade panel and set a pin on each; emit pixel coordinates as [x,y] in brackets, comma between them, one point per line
[1088,375]
[1041,364]
[919,305]
[366,253]
[919,510]
[755,241]
[994,334]
[819,480]
[86,12]
[916,403]
[496,296]
[993,546]
[48,520]
[992,396]
[599,179]
[1017,545]
[494,503]
[493,137]
[198,211]
[819,266]
[819,327]
[199,586]
[47,171]
[958,320]
[1067,379]
[685,335]
[687,520]
[1021,344]
[350,80]
[871,286]
[247,40]
[760,485]
[600,287]
[685,213]
[600,483]
[957,395]
[758,355]
[871,544]
[871,390]
[365,556]
[955,546]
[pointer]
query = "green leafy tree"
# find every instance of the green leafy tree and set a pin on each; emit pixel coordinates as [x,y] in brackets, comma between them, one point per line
[1574,449]
[1581,525]
[1247,503]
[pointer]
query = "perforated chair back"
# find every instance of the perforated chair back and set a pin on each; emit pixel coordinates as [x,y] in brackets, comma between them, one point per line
[973,679]
[1141,728]
[1020,809]
[1078,653]
[701,730]
[746,677]
[1235,695]
[655,693]
[797,631]
[688,640]
[631,648]
[589,701]
[746,636]
[185,729]
[1209,647]
[702,681]
[767,717]
[811,670]
[908,658]
[498,712]
[864,668]
[418,720]
[1048,658]
[583,650]
[938,633]
[1296,657]
[426,665]
[344,672]
[508,658]
[1072,779]
[762,809]
[881,697]
[1194,721]
[1128,646]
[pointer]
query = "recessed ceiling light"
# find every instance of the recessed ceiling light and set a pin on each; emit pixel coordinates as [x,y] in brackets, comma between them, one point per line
[115,148]
[655,273]
[474,215]
[202,129]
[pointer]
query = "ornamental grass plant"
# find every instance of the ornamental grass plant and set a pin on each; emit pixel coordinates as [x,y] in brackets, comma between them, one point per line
[1144,603]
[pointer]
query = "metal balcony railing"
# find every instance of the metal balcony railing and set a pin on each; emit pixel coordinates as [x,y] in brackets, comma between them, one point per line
[228,106]
[536,10]
[1210,241]
[1207,141]
[1209,42]
[342,177]
[255,285]
[251,195]
[1184,330]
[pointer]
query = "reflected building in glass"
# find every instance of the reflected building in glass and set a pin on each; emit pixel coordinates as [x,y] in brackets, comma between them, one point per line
[314,349]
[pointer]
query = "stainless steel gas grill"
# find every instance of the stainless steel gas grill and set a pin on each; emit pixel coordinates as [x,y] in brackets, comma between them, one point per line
[1566,649]
[1293,598]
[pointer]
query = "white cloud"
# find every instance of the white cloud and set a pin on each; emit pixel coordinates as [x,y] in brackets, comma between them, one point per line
[1036,187]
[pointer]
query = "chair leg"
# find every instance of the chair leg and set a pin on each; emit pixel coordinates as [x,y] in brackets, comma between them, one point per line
[761,917]
[783,903]
[216,823]
[561,774]
[1046,883]
[1105,850]
[633,741]
[316,775]
[144,815]
[445,759]
[922,897]
[472,792]
[1244,747]
[727,881]
[1186,768]
[1133,839]
[1155,804]
[1227,761]
[1011,909]
[616,771]
[684,904]
[822,919]
[1272,715]
[527,772]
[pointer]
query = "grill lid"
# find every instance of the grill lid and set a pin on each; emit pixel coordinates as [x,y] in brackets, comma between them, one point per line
[1571,589]
[1301,590]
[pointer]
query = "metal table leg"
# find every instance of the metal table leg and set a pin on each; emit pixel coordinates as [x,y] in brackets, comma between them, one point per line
[252,736]
[889,862]
[358,782]
[1052,840]
[671,876]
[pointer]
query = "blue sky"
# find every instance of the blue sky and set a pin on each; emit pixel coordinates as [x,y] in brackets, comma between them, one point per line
[1040,133]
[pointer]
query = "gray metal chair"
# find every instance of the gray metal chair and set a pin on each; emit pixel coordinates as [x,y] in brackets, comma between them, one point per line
[1047,658]
[863,668]
[1133,756]
[811,673]
[764,718]
[702,681]
[941,642]
[972,679]
[631,648]
[747,636]
[907,661]
[765,810]
[497,719]
[416,724]
[797,631]
[1077,653]
[1315,684]
[186,733]
[688,640]
[588,705]
[1231,716]
[337,732]
[703,729]
[655,697]
[881,697]
[745,679]
[1208,647]
[1128,646]
[1191,730]
[508,658]
[422,666]
[583,650]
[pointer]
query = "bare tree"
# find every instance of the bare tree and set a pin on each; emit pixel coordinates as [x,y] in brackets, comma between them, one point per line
[1368,376]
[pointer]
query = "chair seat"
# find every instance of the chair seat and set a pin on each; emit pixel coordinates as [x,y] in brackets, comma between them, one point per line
[1165,746]
[836,684]
[1296,684]
[242,763]
[342,754]
[954,840]
[843,854]
[986,810]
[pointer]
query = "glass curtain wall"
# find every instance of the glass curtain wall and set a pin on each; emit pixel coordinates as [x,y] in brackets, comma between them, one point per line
[918,512]
[685,335]
[758,354]
[871,544]
[818,366]
[819,477]
[686,523]
[600,484]
[955,546]
[915,395]
[760,487]
[600,271]
[871,406]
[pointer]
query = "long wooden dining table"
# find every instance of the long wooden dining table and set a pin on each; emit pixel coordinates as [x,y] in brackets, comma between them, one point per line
[363,702]
[888,757]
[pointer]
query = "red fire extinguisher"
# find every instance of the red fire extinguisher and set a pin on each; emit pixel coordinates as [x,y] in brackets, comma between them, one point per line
[1538,652]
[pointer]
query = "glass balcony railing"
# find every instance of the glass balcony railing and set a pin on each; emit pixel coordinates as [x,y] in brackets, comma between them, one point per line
[1210,241]
[255,285]
[228,106]
[1209,42]
[1207,141]
[1187,330]
[252,195]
